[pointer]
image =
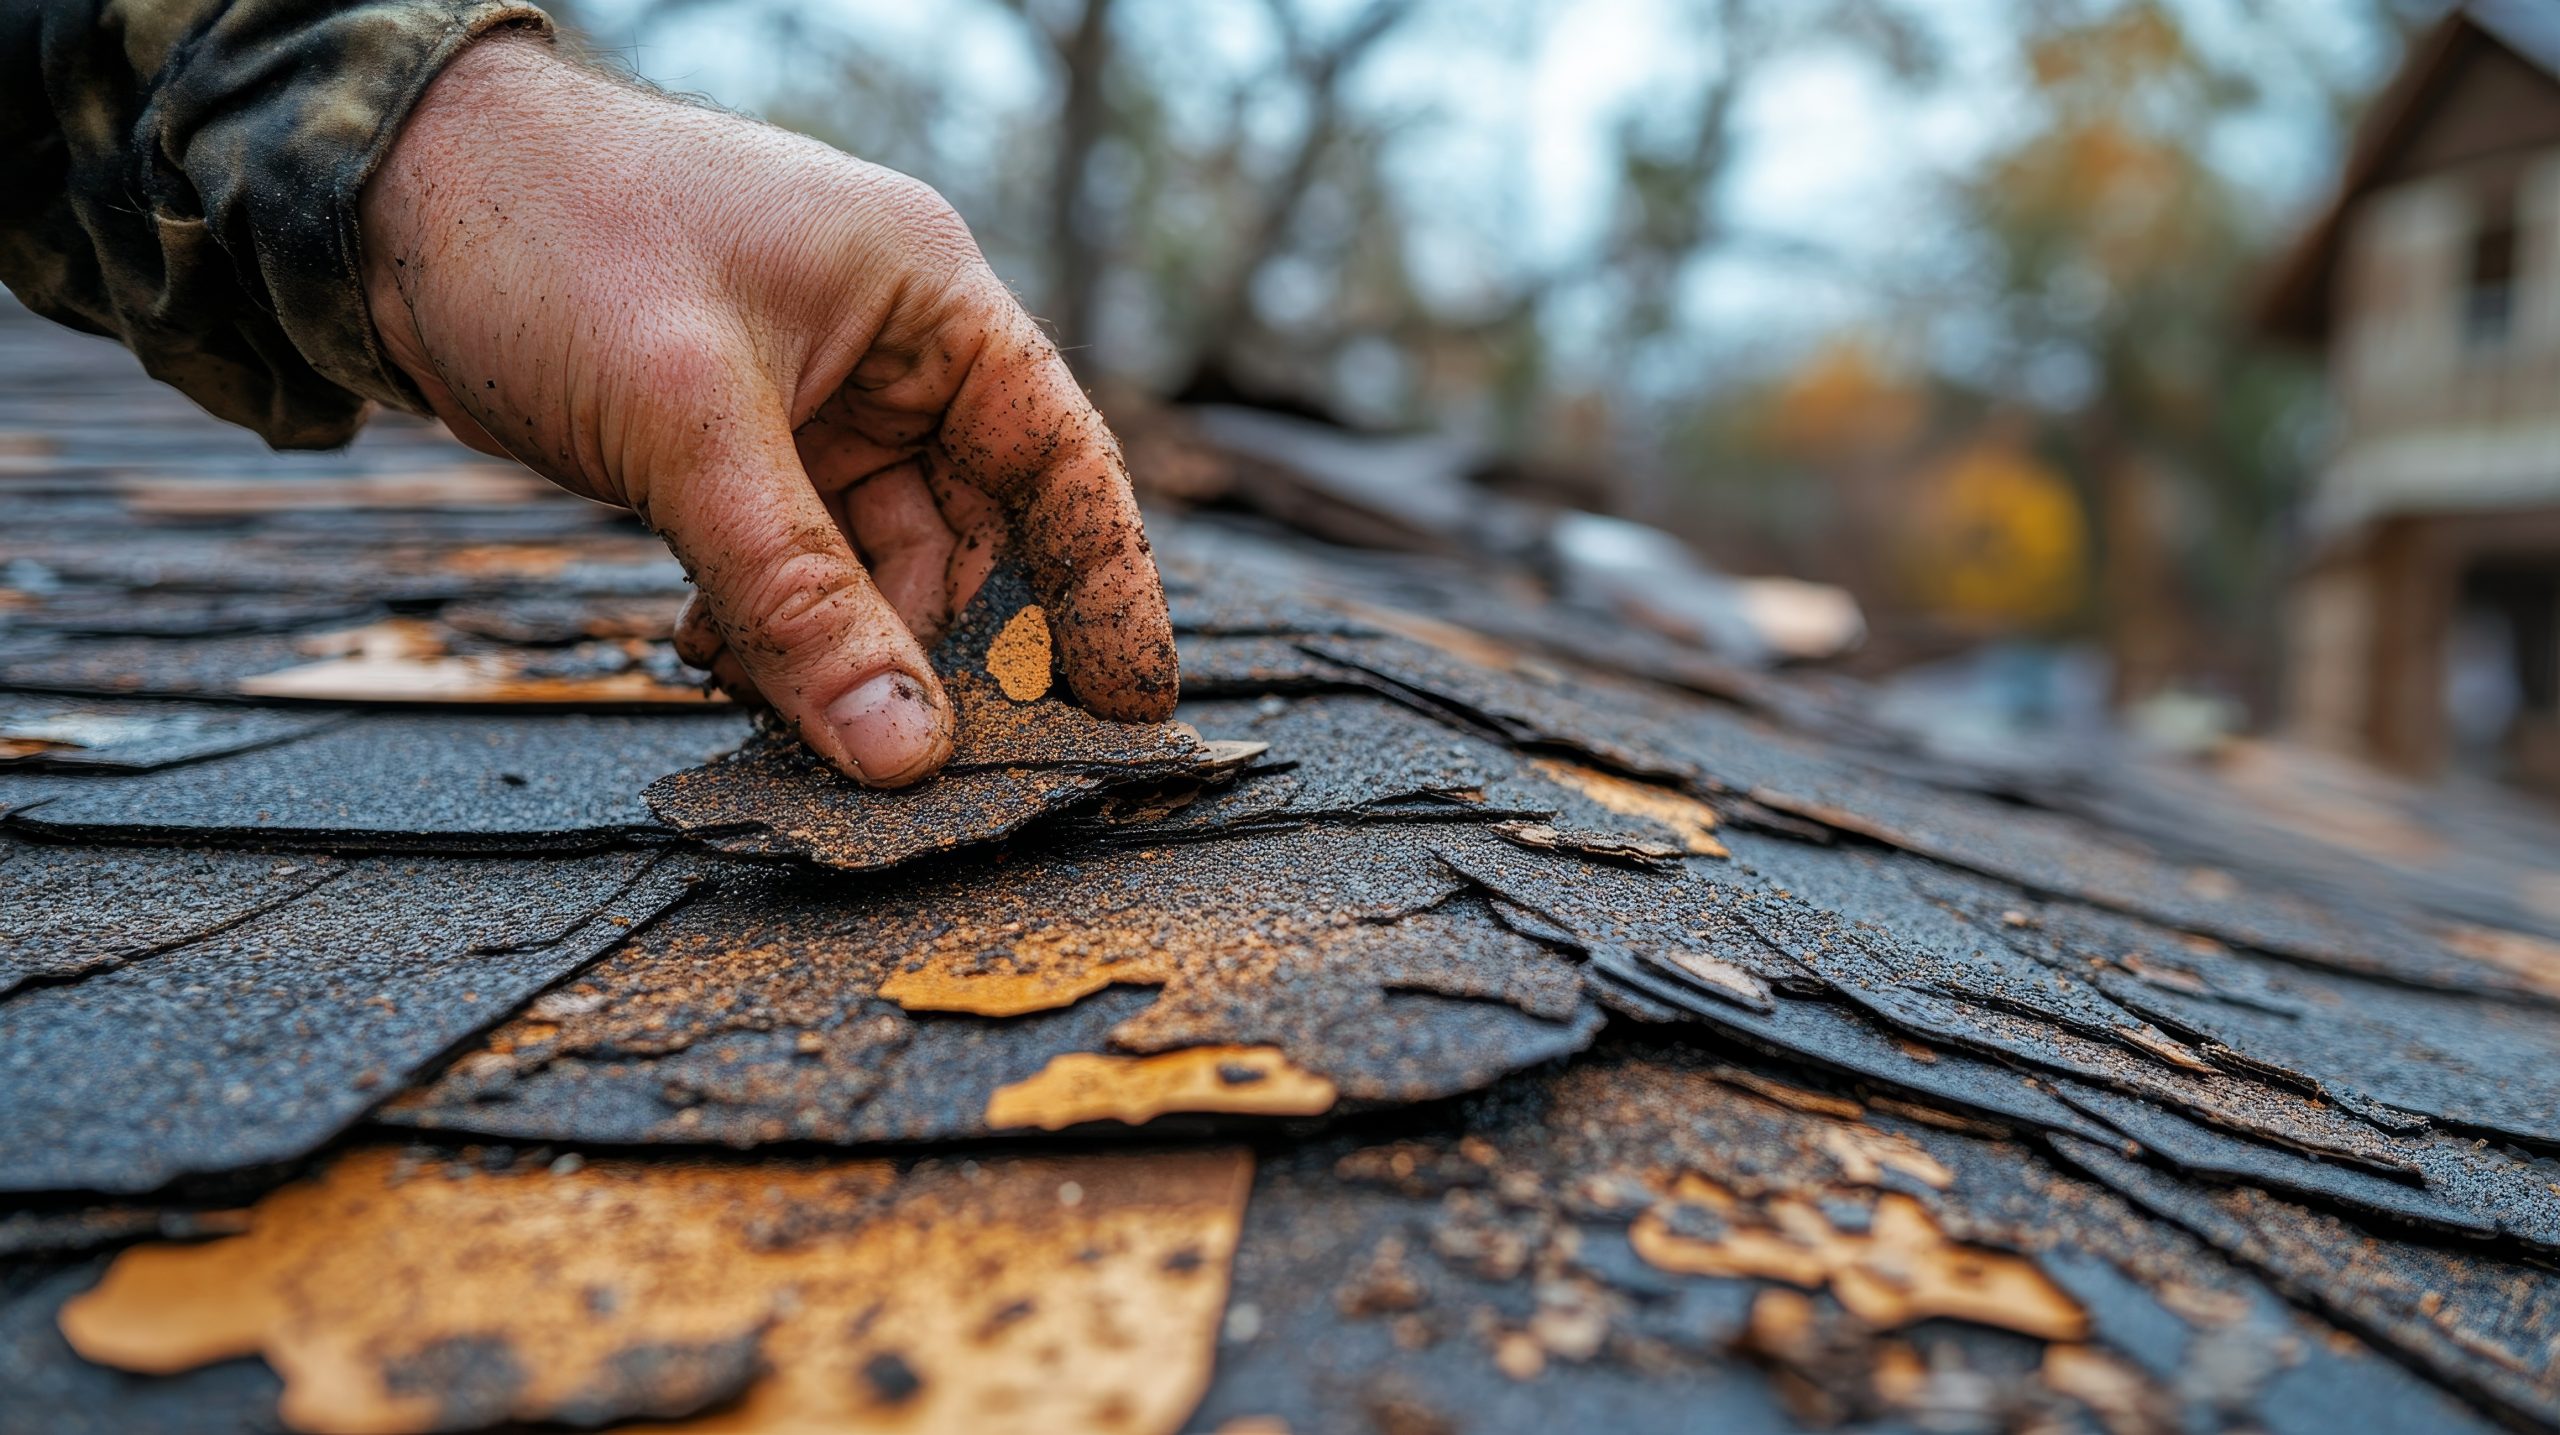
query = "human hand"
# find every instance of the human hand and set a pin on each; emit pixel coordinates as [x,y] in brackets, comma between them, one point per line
[795,366]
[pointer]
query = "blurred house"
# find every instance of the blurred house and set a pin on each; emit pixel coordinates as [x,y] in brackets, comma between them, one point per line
[2425,631]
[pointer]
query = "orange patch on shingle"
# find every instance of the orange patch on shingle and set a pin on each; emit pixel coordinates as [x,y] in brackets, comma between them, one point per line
[1021,658]
[1901,1269]
[1021,1294]
[1079,1087]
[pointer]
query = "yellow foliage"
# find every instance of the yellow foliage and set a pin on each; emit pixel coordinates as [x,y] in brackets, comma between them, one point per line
[1996,537]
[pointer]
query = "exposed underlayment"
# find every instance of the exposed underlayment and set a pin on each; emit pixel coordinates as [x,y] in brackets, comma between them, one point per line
[399,1293]
[1627,1039]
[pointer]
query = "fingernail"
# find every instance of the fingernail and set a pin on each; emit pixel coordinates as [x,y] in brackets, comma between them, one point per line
[888,727]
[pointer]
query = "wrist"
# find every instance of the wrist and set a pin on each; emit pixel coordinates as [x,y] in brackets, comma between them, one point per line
[490,87]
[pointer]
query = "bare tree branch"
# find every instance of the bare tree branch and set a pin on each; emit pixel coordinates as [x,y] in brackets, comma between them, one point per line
[1319,71]
[1084,118]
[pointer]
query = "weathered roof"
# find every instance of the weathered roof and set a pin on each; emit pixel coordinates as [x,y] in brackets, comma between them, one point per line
[1482,1015]
[2295,303]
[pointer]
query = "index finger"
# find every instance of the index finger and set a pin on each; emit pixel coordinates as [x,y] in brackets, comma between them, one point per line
[1021,430]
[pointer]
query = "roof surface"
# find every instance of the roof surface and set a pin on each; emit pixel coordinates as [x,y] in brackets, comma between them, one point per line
[421,1010]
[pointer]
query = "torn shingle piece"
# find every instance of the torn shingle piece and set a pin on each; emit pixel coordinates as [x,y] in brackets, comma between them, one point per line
[46,734]
[1013,1293]
[1919,966]
[1022,753]
[2473,1319]
[1711,942]
[426,782]
[72,911]
[1853,918]
[254,1045]
[791,1007]
[2443,1181]
[1834,1038]
[2296,1051]
[1922,970]
[1675,919]
[2200,1151]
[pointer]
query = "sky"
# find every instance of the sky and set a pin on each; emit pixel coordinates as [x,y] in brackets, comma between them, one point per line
[1518,104]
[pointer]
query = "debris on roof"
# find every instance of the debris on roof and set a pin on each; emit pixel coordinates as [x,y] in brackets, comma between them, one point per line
[1625,1035]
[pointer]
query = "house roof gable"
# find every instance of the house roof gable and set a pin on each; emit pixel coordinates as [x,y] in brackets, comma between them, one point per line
[2295,302]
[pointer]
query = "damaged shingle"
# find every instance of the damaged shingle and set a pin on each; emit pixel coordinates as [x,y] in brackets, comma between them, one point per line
[2476,1061]
[792,1008]
[1490,1270]
[253,1045]
[2477,1321]
[1023,753]
[1882,1013]
[76,910]
[1633,730]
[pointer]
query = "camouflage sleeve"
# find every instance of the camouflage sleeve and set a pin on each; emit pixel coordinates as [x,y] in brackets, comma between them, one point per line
[182,175]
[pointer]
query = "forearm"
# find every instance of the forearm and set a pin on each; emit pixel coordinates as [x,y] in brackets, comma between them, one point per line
[184,175]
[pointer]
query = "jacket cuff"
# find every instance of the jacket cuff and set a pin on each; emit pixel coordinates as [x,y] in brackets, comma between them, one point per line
[278,116]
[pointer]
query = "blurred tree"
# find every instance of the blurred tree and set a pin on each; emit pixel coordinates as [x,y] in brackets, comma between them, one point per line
[1209,223]
[1673,158]
[1182,223]
[1078,43]
[2114,253]
[1261,197]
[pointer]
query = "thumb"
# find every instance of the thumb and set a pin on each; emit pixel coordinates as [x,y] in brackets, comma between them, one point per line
[797,609]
